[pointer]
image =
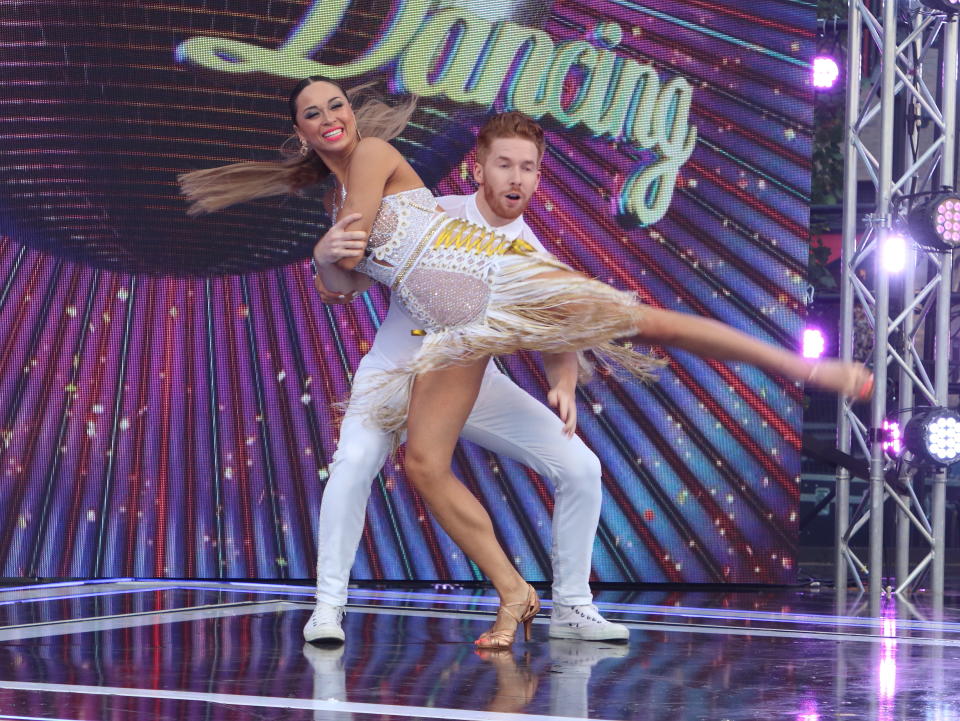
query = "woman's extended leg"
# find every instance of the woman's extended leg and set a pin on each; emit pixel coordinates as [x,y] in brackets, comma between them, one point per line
[439,405]
[712,339]
[709,338]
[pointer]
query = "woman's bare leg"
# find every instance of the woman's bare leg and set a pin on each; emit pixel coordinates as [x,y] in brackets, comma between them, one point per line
[439,405]
[709,338]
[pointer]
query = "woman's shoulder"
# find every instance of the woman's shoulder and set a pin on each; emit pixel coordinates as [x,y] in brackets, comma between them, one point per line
[376,147]
[376,157]
[373,160]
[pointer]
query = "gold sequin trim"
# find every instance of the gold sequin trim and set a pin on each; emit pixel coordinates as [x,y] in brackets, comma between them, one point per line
[470,238]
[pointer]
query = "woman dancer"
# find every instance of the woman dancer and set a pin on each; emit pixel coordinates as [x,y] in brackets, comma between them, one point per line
[477,294]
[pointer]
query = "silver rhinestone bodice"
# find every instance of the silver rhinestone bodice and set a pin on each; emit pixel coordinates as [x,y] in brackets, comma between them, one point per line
[401,220]
[440,287]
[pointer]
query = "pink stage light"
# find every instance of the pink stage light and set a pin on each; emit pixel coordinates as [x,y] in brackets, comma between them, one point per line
[814,343]
[948,221]
[892,438]
[826,72]
[935,222]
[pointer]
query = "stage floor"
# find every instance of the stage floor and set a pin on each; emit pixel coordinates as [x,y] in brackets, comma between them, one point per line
[124,650]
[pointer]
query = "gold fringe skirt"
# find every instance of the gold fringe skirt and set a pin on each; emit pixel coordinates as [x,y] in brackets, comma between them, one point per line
[525,311]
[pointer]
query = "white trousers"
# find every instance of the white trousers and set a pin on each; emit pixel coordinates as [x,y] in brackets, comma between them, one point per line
[505,420]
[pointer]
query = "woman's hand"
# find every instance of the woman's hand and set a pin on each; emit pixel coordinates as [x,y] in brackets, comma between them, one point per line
[338,242]
[335,284]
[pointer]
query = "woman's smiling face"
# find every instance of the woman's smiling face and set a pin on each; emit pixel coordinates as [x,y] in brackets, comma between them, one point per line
[324,119]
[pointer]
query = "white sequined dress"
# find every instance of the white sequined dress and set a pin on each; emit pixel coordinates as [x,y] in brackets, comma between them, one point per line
[479,294]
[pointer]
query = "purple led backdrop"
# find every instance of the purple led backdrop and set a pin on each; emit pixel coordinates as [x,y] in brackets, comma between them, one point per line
[166,382]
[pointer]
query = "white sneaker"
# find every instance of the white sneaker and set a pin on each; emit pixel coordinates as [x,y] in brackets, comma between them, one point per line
[324,623]
[585,624]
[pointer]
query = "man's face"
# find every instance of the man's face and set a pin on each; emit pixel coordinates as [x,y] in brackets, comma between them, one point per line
[508,177]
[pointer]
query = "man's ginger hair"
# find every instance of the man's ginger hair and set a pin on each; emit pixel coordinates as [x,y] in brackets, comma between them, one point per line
[509,125]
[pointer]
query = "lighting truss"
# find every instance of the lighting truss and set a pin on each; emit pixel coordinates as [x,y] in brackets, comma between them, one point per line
[924,162]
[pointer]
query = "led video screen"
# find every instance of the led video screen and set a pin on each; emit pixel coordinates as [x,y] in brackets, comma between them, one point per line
[166,382]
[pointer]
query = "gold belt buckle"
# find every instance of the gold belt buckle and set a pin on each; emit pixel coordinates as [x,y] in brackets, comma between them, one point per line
[418,331]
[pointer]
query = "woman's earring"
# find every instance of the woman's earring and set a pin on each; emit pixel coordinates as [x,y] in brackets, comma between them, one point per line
[304,149]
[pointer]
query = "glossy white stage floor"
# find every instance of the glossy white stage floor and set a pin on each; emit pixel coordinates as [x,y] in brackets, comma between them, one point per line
[157,650]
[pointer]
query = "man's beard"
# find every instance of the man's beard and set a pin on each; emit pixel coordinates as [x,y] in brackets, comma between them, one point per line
[495,201]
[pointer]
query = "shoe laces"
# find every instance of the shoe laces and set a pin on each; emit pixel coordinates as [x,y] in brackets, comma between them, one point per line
[325,613]
[589,612]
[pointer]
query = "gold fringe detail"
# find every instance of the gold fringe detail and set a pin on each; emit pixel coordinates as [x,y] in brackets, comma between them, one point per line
[525,312]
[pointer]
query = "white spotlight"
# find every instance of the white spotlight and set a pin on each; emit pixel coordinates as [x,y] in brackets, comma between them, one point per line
[893,252]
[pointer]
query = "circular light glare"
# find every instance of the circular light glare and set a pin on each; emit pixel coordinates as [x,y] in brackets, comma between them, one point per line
[893,252]
[825,72]
[814,343]
[943,439]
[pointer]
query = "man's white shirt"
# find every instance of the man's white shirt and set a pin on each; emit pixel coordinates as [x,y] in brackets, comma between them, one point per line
[505,420]
[394,344]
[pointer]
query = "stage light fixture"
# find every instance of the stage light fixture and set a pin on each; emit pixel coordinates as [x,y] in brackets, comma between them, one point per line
[893,252]
[935,223]
[814,342]
[933,436]
[892,438]
[947,6]
[826,72]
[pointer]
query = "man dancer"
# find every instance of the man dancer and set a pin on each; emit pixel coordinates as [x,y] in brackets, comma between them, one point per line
[505,419]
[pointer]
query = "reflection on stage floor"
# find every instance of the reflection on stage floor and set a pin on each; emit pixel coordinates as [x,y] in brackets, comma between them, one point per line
[124,650]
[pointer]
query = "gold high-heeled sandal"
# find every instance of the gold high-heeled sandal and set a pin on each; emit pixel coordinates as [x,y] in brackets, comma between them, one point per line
[503,638]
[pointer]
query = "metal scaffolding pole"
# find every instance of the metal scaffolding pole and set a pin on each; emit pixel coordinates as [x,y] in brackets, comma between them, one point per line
[875,119]
[851,164]
[883,227]
[948,174]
